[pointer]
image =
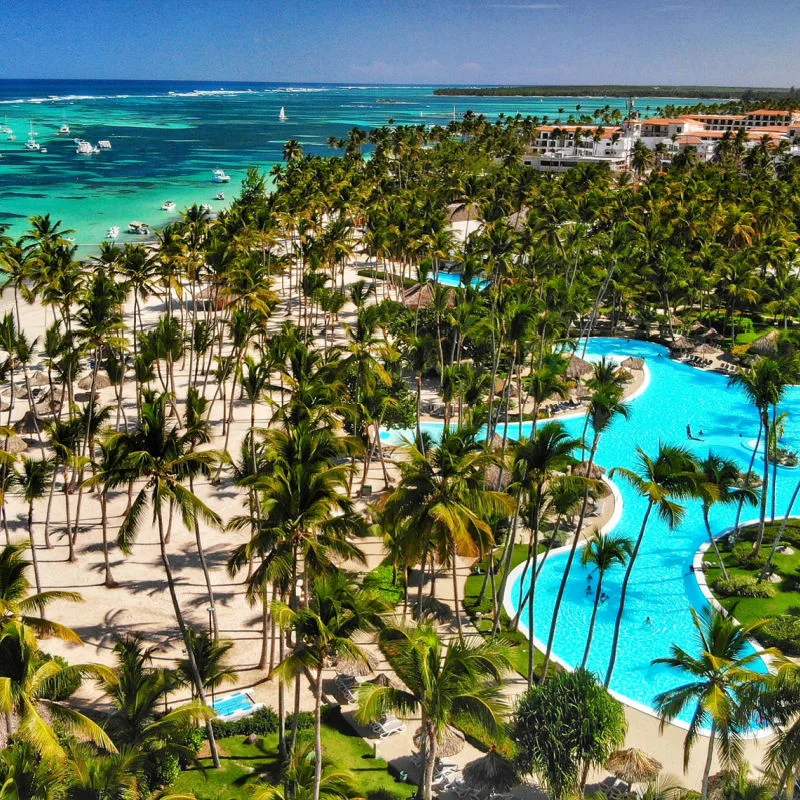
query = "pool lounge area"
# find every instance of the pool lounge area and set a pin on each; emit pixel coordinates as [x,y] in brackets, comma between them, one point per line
[663,586]
[235,705]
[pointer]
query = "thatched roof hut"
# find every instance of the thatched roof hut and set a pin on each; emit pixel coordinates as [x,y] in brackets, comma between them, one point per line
[767,345]
[634,766]
[706,349]
[519,219]
[38,378]
[681,343]
[632,362]
[421,296]
[491,773]
[14,444]
[578,367]
[596,473]
[102,381]
[463,212]
[451,744]
[30,423]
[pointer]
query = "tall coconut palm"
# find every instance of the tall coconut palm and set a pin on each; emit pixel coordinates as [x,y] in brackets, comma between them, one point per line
[209,655]
[670,476]
[605,405]
[442,494]
[717,680]
[28,685]
[763,385]
[33,479]
[443,685]
[603,551]
[338,611]
[720,483]
[17,604]
[163,458]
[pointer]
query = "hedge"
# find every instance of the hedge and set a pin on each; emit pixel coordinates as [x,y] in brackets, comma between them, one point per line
[743,586]
[262,722]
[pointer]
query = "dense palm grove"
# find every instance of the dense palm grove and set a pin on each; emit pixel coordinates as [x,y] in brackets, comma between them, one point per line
[251,318]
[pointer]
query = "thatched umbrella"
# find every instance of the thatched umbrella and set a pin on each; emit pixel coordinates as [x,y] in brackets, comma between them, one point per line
[38,379]
[632,362]
[697,328]
[30,423]
[356,666]
[767,345]
[383,680]
[578,367]
[519,219]
[580,469]
[633,765]
[491,773]
[706,349]
[463,212]
[15,444]
[709,334]
[681,343]
[421,296]
[451,744]
[102,381]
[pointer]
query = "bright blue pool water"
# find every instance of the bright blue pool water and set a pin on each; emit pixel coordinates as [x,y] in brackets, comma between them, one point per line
[232,704]
[662,586]
[454,279]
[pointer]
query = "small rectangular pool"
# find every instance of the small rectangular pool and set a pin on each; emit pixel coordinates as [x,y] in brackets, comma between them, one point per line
[238,704]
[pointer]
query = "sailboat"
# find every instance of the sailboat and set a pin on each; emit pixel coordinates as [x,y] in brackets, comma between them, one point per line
[32,144]
[282,116]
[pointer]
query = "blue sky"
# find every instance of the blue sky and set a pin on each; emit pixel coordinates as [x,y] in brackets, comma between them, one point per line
[733,42]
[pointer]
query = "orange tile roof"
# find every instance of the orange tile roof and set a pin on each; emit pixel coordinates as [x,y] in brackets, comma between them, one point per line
[664,120]
[768,111]
[715,116]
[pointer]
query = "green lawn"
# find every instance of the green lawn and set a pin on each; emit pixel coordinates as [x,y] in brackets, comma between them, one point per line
[784,608]
[245,767]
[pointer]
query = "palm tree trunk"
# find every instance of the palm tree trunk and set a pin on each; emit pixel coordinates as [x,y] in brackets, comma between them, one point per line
[318,732]
[198,684]
[109,580]
[34,559]
[456,604]
[590,635]
[281,705]
[262,661]
[709,760]
[623,595]
[764,486]
[568,566]
[430,762]
[749,472]
[713,541]
[776,543]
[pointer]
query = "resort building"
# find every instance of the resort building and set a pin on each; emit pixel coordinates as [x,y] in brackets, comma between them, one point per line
[561,147]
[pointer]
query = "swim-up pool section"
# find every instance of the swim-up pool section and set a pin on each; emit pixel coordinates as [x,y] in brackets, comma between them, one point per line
[663,588]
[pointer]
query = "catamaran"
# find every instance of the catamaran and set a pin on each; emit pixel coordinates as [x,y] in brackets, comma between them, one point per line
[282,116]
[113,232]
[32,144]
[86,148]
[219,176]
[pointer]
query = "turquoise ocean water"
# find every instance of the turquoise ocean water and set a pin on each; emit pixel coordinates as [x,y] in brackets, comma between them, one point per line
[167,137]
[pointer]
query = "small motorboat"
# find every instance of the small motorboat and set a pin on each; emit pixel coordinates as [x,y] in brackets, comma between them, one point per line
[220,196]
[86,148]
[113,232]
[168,206]
[42,149]
[12,138]
[104,144]
[219,176]
[64,128]
[139,228]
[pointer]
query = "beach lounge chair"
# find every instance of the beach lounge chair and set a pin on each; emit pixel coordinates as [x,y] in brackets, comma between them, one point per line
[385,729]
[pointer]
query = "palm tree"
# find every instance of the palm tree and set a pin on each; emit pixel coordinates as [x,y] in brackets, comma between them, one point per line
[605,405]
[34,480]
[442,494]
[720,483]
[671,475]
[28,685]
[717,678]
[603,551]
[209,655]
[163,459]
[763,385]
[338,611]
[299,778]
[442,685]
[18,605]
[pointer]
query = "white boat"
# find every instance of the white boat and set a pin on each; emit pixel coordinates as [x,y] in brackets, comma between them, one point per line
[168,206]
[219,176]
[220,196]
[140,228]
[42,149]
[282,115]
[64,128]
[113,232]
[12,138]
[32,144]
[86,149]
[104,144]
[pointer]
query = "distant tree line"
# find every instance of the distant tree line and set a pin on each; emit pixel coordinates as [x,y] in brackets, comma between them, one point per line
[743,93]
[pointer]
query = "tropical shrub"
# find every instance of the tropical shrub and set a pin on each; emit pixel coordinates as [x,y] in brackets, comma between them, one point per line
[380,581]
[745,557]
[743,586]
[564,725]
[262,723]
[783,632]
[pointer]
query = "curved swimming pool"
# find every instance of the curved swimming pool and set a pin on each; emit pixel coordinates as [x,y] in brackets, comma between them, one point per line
[662,586]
